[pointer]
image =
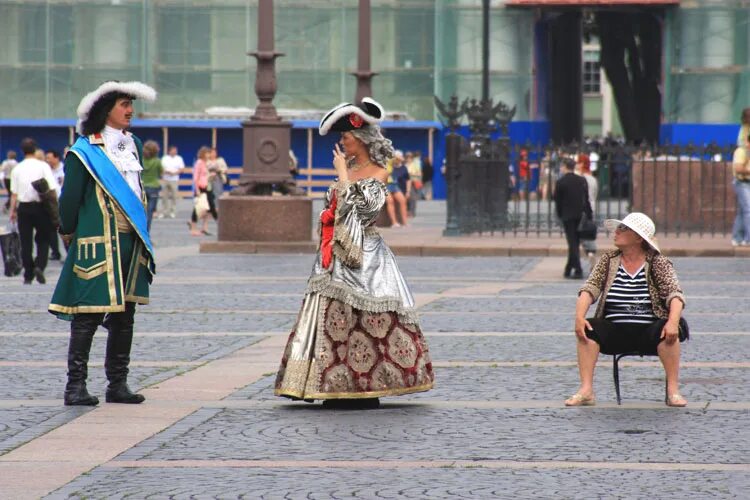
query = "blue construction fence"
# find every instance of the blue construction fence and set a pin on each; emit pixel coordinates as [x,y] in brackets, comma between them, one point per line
[424,136]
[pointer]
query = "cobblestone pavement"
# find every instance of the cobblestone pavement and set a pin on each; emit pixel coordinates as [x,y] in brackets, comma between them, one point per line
[499,331]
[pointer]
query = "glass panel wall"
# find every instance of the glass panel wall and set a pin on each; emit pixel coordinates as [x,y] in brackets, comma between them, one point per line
[194,52]
[707,62]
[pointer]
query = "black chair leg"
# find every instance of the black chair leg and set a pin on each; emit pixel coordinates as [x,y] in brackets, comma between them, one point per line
[616,376]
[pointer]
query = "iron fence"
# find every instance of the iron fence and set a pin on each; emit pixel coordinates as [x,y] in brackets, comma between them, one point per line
[684,189]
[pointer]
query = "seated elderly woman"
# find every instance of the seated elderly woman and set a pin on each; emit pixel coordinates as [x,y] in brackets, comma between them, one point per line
[640,307]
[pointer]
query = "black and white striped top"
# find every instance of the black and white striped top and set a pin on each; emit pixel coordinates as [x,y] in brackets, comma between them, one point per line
[628,300]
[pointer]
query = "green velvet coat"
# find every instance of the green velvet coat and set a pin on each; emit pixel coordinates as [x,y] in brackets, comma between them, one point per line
[92,280]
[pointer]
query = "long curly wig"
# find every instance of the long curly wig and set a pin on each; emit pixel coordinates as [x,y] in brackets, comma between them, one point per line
[97,117]
[379,147]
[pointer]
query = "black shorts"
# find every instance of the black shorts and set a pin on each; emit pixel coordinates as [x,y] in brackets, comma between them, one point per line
[618,338]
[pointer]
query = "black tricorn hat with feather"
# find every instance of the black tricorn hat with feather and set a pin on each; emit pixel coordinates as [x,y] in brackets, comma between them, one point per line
[347,116]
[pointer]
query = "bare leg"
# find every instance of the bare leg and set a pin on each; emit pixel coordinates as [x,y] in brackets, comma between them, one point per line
[588,354]
[669,354]
[389,207]
[400,200]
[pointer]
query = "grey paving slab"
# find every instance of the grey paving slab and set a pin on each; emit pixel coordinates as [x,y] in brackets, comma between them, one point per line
[155,321]
[227,302]
[403,432]
[20,382]
[24,423]
[453,321]
[732,348]
[229,265]
[145,348]
[690,266]
[566,306]
[448,483]
[209,292]
[487,383]
[565,289]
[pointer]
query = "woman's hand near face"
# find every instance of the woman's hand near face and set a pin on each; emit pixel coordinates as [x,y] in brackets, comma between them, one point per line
[339,163]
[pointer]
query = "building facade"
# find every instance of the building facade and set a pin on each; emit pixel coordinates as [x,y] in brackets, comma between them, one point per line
[195,53]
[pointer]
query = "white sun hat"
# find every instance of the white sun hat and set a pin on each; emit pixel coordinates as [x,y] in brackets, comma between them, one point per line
[640,223]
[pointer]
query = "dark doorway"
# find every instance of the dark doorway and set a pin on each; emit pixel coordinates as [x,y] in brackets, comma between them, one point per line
[631,43]
[564,87]
[631,55]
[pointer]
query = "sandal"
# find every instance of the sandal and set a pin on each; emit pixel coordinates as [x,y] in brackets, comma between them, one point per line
[579,399]
[675,399]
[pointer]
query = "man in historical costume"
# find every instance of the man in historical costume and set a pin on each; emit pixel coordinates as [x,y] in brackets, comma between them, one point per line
[110,261]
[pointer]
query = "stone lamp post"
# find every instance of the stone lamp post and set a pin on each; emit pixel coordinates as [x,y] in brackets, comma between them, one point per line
[250,212]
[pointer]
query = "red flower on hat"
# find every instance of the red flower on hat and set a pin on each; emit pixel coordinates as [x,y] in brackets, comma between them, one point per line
[356,120]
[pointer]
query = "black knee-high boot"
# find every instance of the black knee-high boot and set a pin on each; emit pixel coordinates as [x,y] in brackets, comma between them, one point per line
[82,330]
[119,340]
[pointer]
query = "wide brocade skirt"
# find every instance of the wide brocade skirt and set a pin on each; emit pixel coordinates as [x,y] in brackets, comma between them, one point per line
[337,351]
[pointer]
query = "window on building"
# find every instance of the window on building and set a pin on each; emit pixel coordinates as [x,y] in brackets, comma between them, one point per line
[591,72]
[415,41]
[415,51]
[184,48]
[35,29]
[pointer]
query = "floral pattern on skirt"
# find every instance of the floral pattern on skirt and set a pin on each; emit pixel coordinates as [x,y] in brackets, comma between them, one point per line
[356,354]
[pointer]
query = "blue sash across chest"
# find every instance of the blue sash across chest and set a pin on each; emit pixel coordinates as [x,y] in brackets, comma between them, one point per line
[113,183]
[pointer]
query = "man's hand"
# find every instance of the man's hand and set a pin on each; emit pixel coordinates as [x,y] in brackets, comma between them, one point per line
[66,239]
[670,332]
[13,216]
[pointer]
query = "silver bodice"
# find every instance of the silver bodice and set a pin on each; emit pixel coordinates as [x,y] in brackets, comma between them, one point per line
[364,272]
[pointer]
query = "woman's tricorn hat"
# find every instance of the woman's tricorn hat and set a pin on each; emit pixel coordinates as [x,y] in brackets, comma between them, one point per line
[346,116]
[106,95]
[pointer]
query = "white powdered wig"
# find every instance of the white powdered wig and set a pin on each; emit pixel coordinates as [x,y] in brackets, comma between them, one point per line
[136,89]
[373,115]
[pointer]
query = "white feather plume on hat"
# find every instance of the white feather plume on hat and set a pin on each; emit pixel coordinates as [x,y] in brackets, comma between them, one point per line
[136,89]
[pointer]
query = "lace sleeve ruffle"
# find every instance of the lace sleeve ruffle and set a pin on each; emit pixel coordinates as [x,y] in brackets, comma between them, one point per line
[358,205]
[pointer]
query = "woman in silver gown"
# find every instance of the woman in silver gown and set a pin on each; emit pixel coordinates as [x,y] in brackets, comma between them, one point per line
[357,336]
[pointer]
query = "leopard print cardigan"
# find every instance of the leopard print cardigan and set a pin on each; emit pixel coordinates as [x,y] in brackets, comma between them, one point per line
[663,285]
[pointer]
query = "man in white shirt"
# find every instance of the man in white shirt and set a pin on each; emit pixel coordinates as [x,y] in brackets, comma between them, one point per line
[58,171]
[27,209]
[173,166]
[6,168]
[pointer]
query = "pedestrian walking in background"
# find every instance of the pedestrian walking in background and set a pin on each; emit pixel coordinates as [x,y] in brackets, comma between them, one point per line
[744,128]
[546,175]
[524,174]
[741,184]
[427,174]
[110,262]
[217,174]
[203,202]
[53,159]
[413,162]
[357,336]
[34,223]
[584,168]
[173,165]
[572,203]
[640,308]
[151,177]
[5,169]
[399,186]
